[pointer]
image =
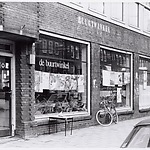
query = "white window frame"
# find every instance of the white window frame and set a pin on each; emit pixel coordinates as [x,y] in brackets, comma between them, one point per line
[145,19]
[41,117]
[122,12]
[136,25]
[124,109]
[146,107]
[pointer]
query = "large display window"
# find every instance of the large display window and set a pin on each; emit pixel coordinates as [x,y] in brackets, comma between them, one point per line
[144,83]
[115,71]
[60,76]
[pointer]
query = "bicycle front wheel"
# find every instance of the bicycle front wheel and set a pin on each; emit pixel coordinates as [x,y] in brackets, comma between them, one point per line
[104,118]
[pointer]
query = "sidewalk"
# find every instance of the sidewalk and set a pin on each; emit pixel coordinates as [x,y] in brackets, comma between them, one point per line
[91,137]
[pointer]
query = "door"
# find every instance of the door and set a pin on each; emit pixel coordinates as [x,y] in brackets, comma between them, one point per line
[5,96]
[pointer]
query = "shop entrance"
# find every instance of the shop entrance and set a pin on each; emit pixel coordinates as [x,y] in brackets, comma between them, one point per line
[5,96]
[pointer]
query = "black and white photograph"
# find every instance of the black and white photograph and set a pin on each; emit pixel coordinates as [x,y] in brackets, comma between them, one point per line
[74,74]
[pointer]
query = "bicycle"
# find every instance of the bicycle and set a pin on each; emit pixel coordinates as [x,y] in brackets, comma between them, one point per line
[107,113]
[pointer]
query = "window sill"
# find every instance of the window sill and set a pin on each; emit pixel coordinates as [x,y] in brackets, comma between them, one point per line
[124,111]
[118,20]
[76,116]
[142,110]
[95,11]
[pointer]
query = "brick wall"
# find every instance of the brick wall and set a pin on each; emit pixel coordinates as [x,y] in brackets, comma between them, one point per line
[24,91]
[19,14]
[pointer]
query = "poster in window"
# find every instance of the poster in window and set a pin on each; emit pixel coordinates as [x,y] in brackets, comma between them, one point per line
[61,78]
[119,95]
[80,83]
[145,79]
[44,80]
[113,78]
[62,82]
[106,77]
[126,77]
[73,84]
[37,80]
[119,78]
[70,82]
[67,82]
[54,82]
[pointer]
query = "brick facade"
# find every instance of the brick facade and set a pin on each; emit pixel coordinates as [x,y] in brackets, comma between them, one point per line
[59,19]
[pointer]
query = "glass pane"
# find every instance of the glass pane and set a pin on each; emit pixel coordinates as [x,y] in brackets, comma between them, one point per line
[146,20]
[133,14]
[117,11]
[5,96]
[144,83]
[60,78]
[115,77]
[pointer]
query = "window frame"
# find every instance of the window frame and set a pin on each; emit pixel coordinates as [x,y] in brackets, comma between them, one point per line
[123,109]
[122,13]
[140,69]
[144,13]
[87,76]
[137,15]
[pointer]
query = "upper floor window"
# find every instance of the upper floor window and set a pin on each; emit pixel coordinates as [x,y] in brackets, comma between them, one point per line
[117,11]
[133,14]
[146,20]
[98,7]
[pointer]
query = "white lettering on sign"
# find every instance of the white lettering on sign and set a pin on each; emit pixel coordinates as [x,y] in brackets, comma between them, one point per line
[47,63]
[93,24]
[2,65]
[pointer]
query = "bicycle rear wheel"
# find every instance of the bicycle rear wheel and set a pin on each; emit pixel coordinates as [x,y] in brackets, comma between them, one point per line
[104,118]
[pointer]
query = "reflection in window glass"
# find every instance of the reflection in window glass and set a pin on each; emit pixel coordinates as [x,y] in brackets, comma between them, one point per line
[115,69]
[117,10]
[60,76]
[133,14]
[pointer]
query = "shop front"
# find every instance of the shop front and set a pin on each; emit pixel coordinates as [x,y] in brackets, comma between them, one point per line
[116,77]
[62,73]
[65,65]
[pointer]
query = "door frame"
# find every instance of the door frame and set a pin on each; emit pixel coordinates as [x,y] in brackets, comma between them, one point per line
[13,87]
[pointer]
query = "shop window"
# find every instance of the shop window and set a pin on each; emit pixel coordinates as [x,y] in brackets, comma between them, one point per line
[144,83]
[115,73]
[60,76]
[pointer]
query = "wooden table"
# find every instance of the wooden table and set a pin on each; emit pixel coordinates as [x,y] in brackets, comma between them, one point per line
[68,119]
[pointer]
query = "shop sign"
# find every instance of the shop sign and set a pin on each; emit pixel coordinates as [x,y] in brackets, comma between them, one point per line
[47,63]
[93,24]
